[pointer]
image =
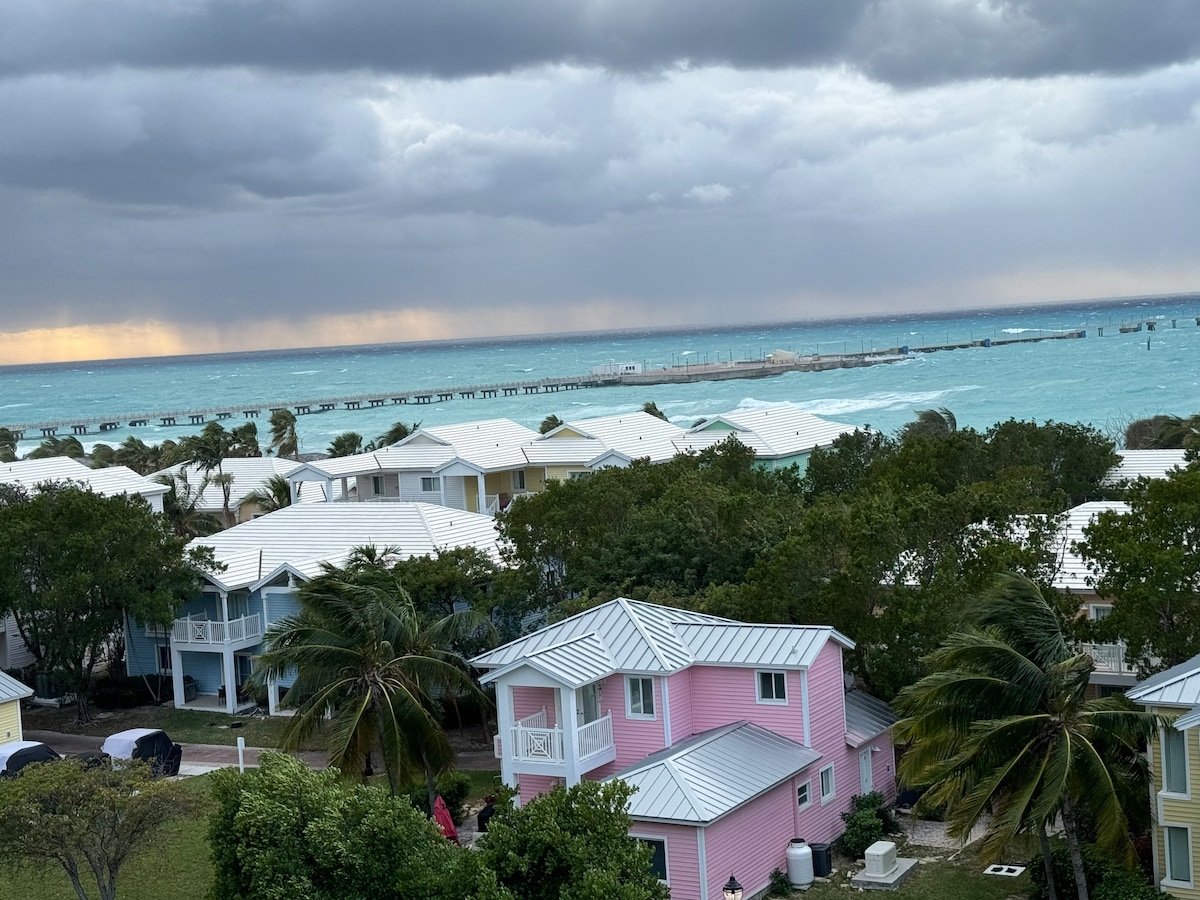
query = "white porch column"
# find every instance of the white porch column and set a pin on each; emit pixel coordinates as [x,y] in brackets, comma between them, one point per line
[230,681]
[482,494]
[272,697]
[505,718]
[328,490]
[224,606]
[345,489]
[570,708]
[177,675]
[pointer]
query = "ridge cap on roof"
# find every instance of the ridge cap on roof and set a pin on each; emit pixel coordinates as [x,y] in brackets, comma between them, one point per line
[685,787]
[558,624]
[565,641]
[641,628]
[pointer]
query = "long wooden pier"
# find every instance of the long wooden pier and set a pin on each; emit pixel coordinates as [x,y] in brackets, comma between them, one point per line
[686,373]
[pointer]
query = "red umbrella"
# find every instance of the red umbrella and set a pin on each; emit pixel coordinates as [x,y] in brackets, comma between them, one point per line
[441,815]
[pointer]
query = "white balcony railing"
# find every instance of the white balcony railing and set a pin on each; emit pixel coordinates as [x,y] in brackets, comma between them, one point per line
[532,741]
[534,720]
[193,630]
[538,744]
[594,737]
[1109,658]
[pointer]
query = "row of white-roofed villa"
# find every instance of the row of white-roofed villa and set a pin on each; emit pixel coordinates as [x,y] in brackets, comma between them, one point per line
[483,466]
[210,649]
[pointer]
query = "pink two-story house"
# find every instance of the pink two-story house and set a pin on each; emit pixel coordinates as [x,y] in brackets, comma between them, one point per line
[737,737]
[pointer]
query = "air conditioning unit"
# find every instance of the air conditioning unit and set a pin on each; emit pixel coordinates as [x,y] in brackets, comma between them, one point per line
[880,859]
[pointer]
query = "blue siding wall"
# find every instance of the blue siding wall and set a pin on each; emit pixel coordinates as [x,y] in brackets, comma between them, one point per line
[280,605]
[141,655]
[205,668]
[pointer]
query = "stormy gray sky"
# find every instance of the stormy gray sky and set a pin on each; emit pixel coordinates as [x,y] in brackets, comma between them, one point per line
[199,175]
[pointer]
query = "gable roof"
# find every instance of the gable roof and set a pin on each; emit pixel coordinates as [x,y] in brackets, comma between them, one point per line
[11,689]
[1073,573]
[630,636]
[303,536]
[1177,686]
[866,717]
[713,773]
[1145,464]
[774,431]
[636,434]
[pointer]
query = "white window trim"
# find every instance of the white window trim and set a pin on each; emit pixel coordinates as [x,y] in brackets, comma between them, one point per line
[518,475]
[433,480]
[1187,765]
[378,486]
[1167,881]
[629,713]
[758,697]
[666,851]
[808,802]
[1092,607]
[832,784]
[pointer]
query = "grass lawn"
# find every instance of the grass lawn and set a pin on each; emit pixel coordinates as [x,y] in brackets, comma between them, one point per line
[959,878]
[176,866]
[186,726]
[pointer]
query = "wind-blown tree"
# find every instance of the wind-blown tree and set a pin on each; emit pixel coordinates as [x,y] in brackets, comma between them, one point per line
[1148,563]
[181,505]
[284,439]
[8,446]
[651,408]
[58,446]
[275,494]
[361,651]
[347,443]
[549,423]
[243,441]
[1002,725]
[208,451]
[74,564]
[394,435]
[89,820]
[932,423]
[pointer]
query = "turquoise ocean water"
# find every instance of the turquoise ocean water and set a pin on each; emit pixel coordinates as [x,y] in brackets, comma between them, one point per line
[1105,381]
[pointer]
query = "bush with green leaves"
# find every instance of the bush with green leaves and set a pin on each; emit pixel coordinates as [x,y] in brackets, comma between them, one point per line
[453,787]
[779,886]
[570,844]
[283,831]
[863,828]
[1106,878]
[875,802]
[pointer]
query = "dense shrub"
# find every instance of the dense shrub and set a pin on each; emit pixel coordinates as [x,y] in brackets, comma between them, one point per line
[863,828]
[453,788]
[1106,879]
[115,692]
[876,803]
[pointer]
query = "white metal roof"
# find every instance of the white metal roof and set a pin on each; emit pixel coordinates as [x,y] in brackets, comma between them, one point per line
[11,689]
[563,451]
[772,432]
[866,717]
[108,481]
[712,774]
[250,474]
[1177,686]
[1145,464]
[636,434]
[491,445]
[630,636]
[1073,573]
[307,534]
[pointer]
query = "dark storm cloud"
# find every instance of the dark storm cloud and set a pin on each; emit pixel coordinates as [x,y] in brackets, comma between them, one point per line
[902,41]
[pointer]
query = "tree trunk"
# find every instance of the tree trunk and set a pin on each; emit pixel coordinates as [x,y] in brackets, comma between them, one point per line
[1068,814]
[1044,842]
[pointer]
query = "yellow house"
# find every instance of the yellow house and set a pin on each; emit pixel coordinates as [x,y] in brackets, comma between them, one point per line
[1174,757]
[12,692]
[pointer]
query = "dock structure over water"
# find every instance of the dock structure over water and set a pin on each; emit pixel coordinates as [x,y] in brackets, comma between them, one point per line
[686,373]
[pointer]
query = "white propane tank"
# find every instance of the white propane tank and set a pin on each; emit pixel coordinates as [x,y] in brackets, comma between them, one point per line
[799,864]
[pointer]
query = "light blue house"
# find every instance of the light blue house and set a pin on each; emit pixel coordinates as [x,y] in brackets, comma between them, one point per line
[220,632]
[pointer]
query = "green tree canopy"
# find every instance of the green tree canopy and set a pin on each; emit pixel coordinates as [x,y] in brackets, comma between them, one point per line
[284,439]
[1148,563]
[74,564]
[275,494]
[347,443]
[394,435]
[89,820]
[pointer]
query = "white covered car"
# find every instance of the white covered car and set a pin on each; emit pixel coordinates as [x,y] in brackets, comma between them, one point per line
[151,744]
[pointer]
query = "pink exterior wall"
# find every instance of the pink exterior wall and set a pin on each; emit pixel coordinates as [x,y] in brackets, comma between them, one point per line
[827,721]
[683,860]
[635,739]
[884,766]
[721,695]
[750,842]
[532,785]
[528,700]
[679,692]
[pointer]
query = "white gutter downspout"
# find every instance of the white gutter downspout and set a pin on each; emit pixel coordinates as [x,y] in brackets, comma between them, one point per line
[666,704]
[804,705]
[702,862]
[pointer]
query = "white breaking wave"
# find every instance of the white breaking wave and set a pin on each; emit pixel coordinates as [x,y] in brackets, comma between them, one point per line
[306,372]
[1018,330]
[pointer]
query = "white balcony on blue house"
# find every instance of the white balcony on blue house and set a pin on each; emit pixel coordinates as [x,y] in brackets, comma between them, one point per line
[215,643]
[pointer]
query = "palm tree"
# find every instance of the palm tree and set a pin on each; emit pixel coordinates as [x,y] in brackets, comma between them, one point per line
[58,446]
[549,424]
[275,494]
[1002,724]
[363,656]
[181,506]
[346,444]
[651,408]
[284,440]
[394,435]
[208,451]
[932,423]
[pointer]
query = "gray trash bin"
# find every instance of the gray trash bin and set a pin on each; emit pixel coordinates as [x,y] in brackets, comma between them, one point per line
[822,860]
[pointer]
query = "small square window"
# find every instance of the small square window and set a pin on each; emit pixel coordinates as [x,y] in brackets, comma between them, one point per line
[431,485]
[804,795]
[641,698]
[772,687]
[827,784]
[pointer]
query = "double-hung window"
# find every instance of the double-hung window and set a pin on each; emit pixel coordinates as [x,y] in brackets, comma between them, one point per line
[804,795]
[639,695]
[1175,774]
[828,788]
[1179,856]
[430,485]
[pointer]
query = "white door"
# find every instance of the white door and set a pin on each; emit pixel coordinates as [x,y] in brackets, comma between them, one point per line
[866,782]
[587,704]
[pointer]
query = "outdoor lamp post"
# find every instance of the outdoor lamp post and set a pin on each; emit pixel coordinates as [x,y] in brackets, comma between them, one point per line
[732,890]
